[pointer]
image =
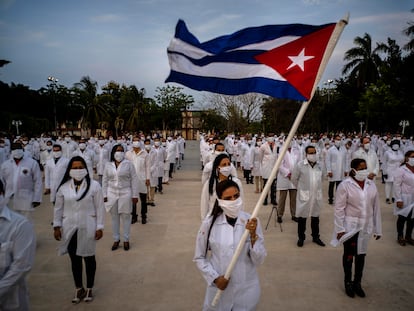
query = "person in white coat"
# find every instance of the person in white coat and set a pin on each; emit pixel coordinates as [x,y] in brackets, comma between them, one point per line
[307,178]
[102,157]
[140,159]
[404,197]
[392,161]
[335,166]
[367,152]
[78,222]
[55,169]
[256,170]
[120,191]
[247,158]
[357,217]
[23,180]
[268,154]
[17,254]
[285,185]
[68,146]
[88,154]
[221,170]
[216,242]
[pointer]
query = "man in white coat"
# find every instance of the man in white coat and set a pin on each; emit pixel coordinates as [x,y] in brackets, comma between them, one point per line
[68,146]
[140,159]
[102,157]
[247,160]
[54,171]
[87,154]
[23,181]
[307,177]
[335,166]
[367,152]
[268,156]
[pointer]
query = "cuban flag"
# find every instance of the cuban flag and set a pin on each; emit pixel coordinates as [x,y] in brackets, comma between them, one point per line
[281,61]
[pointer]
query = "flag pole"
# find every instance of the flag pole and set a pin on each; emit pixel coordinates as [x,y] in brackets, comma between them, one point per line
[328,52]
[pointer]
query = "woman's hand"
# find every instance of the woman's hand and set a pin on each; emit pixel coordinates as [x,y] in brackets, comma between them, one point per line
[221,282]
[251,226]
[339,235]
[400,204]
[98,234]
[57,233]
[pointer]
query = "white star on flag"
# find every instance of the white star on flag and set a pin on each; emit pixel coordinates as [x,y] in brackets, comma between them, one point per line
[299,60]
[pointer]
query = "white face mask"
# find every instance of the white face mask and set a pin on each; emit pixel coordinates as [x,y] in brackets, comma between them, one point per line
[225,170]
[259,143]
[57,154]
[17,153]
[218,152]
[231,208]
[361,175]
[157,144]
[135,144]
[119,156]
[337,143]
[270,139]
[147,147]
[82,146]
[312,158]
[78,174]
[49,147]
[410,161]
[395,147]
[101,142]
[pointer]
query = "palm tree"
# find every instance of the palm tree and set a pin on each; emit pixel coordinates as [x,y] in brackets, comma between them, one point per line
[364,63]
[409,31]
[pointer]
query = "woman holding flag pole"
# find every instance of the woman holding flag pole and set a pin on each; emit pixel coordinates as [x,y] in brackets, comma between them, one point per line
[216,242]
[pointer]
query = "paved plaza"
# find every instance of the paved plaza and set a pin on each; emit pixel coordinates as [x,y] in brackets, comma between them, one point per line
[158,274]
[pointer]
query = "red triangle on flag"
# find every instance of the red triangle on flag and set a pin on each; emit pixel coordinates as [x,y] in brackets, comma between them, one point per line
[298,61]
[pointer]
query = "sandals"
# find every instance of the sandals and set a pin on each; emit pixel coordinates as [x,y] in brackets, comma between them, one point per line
[80,293]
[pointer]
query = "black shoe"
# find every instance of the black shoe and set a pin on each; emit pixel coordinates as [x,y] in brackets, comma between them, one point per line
[265,203]
[388,201]
[300,243]
[319,242]
[126,246]
[144,220]
[330,202]
[349,289]
[115,245]
[134,219]
[80,293]
[393,200]
[152,204]
[279,219]
[295,219]
[358,289]
[274,203]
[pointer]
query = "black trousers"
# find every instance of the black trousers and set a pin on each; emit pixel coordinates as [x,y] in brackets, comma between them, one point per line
[159,188]
[350,251]
[247,176]
[332,185]
[272,192]
[144,209]
[302,228]
[400,226]
[90,265]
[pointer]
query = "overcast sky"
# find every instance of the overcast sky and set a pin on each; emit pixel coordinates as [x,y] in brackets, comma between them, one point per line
[126,40]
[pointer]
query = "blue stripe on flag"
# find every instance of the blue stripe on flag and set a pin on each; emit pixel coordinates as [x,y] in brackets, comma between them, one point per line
[267,86]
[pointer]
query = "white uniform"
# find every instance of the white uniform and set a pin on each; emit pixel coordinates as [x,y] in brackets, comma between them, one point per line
[335,163]
[267,158]
[85,216]
[142,167]
[370,158]
[308,181]
[392,161]
[286,168]
[89,156]
[404,191]
[243,291]
[53,175]
[357,210]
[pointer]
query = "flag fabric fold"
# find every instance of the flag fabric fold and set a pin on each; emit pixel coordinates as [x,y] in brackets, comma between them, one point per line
[281,61]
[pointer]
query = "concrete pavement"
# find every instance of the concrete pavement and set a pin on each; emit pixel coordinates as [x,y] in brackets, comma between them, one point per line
[158,274]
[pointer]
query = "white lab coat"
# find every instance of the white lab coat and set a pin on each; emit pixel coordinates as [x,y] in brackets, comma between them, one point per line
[256,170]
[392,161]
[207,201]
[86,216]
[102,157]
[247,156]
[357,210]
[308,181]
[267,159]
[142,167]
[335,163]
[404,191]
[53,175]
[286,168]
[23,183]
[119,185]
[243,290]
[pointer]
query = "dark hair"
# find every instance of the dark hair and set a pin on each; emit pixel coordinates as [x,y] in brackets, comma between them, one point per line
[1,186]
[214,176]
[67,177]
[16,145]
[217,210]
[57,146]
[354,164]
[309,147]
[114,150]
[218,144]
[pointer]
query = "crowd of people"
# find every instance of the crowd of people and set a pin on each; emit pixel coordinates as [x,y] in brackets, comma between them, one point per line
[352,165]
[83,178]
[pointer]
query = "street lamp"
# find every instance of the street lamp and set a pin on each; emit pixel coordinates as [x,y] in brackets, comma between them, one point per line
[328,83]
[17,123]
[54,81]
[404,123]
[361,124]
